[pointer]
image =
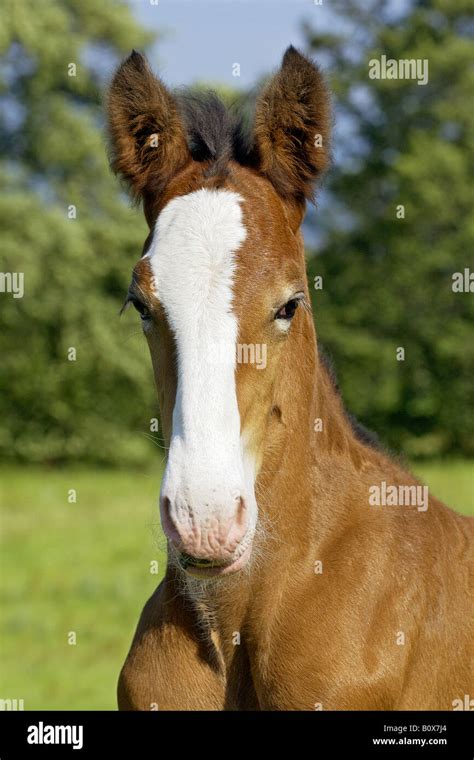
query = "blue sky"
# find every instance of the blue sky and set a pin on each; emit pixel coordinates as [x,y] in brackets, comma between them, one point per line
[204,38]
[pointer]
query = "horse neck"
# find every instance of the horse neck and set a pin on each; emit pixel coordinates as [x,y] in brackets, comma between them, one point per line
[312,434]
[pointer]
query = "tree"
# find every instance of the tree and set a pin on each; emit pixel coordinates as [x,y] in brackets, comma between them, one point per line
[398,224]
[74,382]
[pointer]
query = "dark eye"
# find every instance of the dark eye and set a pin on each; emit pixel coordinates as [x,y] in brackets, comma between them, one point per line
[141,308]
[288,310]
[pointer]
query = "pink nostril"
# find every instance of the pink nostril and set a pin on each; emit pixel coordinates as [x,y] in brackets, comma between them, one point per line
[241,516]
[167,522]
[239,525]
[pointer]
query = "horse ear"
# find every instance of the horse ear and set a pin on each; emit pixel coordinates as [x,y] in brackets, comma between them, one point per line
[292,127]
[147,137]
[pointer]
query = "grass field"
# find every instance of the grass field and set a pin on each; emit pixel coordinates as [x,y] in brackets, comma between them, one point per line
[85,568]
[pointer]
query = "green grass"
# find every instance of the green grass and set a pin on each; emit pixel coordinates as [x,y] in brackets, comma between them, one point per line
[85,567]
[452,482]
[81,567]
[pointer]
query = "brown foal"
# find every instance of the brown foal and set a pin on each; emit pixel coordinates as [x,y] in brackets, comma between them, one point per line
[306,569]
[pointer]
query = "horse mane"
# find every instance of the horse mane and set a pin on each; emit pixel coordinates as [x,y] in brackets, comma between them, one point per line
[362,433]
[215,133]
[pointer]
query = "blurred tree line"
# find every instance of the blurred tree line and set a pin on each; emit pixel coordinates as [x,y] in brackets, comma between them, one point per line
[387,281]
[68,228]
[387,271]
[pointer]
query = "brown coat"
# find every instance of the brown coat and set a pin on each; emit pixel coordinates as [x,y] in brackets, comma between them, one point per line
[345,604]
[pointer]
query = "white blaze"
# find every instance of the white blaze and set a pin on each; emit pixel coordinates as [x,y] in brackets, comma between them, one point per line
[192,258]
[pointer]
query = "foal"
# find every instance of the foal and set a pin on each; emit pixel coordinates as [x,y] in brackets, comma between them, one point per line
[306,569]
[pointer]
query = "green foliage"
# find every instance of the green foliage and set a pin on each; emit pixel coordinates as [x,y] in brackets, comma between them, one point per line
[388,281]
[76,270]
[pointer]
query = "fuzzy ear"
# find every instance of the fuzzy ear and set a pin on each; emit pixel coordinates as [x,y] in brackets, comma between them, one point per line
[148,141]
[292,127]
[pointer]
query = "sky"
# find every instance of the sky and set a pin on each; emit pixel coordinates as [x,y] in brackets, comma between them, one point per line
[203,39]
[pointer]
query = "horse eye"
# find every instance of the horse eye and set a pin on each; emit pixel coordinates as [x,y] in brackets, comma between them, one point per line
[141,308]
[288,310]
